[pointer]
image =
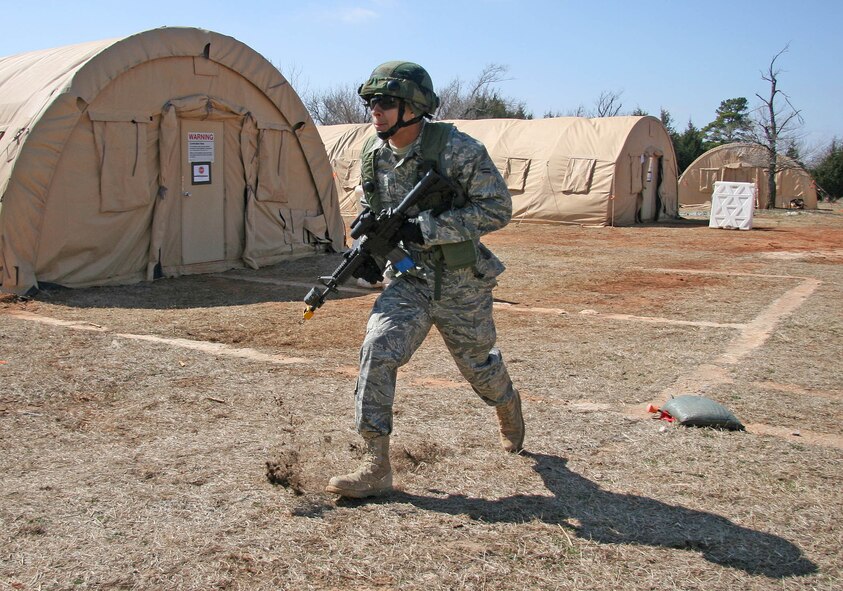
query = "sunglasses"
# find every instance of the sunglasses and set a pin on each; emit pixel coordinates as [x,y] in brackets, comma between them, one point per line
[384,102]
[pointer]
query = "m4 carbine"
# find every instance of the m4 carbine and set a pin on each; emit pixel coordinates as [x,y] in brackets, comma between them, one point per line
[376,236]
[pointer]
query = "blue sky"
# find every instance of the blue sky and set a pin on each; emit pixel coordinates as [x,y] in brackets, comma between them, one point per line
[683,56]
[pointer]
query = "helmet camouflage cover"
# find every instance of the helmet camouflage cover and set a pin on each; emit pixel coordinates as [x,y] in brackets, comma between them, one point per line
[404,80]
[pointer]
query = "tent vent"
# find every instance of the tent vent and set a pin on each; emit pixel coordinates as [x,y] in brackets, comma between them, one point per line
[207,51]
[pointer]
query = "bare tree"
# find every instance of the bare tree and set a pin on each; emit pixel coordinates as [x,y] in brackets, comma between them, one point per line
[608,104]
[776,126]
[450,100]
[579,111]
[293,75]
[337,105]
[479,99]
[455,102]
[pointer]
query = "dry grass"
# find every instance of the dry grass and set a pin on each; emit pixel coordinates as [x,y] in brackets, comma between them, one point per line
[140,464]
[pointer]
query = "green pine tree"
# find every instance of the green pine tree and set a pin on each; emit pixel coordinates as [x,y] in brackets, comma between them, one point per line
[688,146]
[828,173]
[733,123]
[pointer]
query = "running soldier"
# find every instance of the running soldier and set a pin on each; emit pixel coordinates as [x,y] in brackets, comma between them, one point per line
[451,288]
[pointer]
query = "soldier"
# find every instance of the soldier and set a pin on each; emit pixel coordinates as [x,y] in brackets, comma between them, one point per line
[452,285]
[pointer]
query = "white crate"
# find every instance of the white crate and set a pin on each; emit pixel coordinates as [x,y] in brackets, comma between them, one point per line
[732,205]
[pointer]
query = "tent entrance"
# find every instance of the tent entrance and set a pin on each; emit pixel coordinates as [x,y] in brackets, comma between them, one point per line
[195,225]
[202,191]
[649,194]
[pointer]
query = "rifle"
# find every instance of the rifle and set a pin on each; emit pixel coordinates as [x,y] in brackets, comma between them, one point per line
[376,236]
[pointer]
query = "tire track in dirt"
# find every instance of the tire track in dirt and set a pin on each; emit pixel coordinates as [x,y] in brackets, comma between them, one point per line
[74,324]
[217,349]
[520,309]
[751,336]
[201,346]
[508,306]
[791,389]
[797,435]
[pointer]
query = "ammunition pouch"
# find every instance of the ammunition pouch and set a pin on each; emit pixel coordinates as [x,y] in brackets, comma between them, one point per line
[458,255]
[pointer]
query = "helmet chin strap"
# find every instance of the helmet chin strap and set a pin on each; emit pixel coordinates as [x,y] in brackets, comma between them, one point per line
[385,135]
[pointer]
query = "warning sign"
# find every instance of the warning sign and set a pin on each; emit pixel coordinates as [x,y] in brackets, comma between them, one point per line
[200,146]
[201,173]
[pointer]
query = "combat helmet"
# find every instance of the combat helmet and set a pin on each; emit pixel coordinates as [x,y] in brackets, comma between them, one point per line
[404,80]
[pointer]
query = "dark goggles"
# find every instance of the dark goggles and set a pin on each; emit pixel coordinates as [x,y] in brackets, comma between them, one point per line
[384,102]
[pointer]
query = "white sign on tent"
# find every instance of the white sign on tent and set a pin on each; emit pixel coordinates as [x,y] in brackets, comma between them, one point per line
[200,146]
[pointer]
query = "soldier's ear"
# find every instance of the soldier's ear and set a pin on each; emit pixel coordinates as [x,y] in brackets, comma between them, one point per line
[410,111]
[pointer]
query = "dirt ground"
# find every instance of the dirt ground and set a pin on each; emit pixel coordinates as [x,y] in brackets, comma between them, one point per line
[178,434]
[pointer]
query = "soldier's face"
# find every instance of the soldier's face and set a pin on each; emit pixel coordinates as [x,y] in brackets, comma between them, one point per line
[384,113]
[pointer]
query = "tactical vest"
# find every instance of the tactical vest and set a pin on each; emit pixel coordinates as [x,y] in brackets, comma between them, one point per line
[458,255]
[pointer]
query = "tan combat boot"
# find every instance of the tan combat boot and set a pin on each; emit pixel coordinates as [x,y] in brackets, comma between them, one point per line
[511,424]
[373,477]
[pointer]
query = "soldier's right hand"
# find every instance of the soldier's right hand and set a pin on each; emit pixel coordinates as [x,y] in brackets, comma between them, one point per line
[368,271]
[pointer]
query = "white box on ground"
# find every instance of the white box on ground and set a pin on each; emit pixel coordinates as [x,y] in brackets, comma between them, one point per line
[732,205]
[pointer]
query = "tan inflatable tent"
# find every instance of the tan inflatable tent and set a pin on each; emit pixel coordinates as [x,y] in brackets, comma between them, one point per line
[173,151]
[745,163]
[602,171]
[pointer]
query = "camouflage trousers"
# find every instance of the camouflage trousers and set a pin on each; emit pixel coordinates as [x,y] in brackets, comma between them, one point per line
[401,319]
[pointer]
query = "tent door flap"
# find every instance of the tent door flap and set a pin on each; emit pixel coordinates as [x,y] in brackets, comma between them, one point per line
[648,212]
[203,192]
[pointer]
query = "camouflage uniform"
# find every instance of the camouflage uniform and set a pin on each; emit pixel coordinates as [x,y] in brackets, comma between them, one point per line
[406,310]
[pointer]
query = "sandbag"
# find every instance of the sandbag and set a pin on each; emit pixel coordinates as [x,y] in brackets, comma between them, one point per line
[698,411]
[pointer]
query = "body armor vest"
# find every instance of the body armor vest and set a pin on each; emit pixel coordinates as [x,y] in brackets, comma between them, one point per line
[434,137]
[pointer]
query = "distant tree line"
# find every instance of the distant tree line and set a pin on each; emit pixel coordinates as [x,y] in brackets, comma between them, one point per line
[476,99]
[774,125]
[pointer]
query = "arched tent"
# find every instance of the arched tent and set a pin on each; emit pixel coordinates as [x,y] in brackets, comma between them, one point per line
[173,151]
[746,163]
[601,171]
